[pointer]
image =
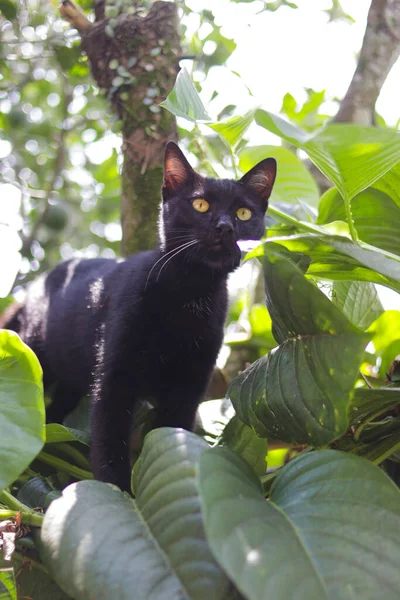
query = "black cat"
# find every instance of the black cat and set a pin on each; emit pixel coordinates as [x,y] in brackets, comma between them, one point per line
[149,326]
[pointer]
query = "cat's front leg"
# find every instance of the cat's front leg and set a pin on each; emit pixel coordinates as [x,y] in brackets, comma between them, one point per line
[111,420]
[178,402]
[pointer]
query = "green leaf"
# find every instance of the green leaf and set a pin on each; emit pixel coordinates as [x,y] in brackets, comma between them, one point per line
[358,300]
[37,493]
[99,543]
[368,403]
[386,337]
[233,129]
[376,216]
[21,407]
[282,128]
[33,580]
[56,433]
[296,306]
[8,586]
[241,439]
[299,392]
[8,9]
[351,156]
[315,533]
[184,101]
[337,257]
[289,393]
[67,57]
[294,183]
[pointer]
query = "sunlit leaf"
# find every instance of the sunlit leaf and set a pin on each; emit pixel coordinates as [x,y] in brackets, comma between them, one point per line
[233,129]
[351,156]
[21,407]
[156,543]
[184,101]
[358,300]
[376,216]
[289,394]
[315,533]
[241,439]
[294,183]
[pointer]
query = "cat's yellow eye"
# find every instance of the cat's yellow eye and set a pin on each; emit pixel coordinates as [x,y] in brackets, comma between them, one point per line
[200,205]
[244,214]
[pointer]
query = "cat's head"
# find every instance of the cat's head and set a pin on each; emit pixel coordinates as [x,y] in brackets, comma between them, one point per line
[217,213]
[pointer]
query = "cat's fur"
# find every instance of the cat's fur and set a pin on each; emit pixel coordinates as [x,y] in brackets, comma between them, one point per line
[149,326]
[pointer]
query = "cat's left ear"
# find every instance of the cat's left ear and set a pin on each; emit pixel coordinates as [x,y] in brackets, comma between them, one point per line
[177,170]
[260,179]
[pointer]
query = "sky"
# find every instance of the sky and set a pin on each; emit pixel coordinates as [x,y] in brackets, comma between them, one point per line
[287,51]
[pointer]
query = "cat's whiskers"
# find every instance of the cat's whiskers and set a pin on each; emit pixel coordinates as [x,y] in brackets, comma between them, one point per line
[179,248]
[192,243]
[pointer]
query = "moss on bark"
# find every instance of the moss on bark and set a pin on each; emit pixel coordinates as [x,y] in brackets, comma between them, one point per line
[135,59]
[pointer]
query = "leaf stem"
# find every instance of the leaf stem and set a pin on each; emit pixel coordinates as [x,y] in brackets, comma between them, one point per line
[288,220]
[349,216]
[63,465]
[14,506]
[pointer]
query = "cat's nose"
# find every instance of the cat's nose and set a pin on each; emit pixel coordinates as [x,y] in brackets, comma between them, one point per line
[224,225]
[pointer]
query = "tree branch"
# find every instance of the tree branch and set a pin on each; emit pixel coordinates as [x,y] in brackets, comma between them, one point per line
[75,15]
[379,52]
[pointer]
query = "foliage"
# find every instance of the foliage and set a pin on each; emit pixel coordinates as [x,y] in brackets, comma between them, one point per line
[323,386]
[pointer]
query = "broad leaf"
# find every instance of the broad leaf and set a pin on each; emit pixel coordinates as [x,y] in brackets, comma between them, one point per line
[184,101]
[386,337]
[233,129]
[337,257]
[351,156]
[300,391]
[241,439]
[325,532]
[8,586]
[98,543]
[21,407]
[368,403]
[358,300]
[376,216]
[37,493]
[294,182]
[33,580]
[56,433]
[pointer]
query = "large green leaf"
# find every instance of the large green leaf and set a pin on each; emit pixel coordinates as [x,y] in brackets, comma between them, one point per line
[98,543]
[233,129]
[386,338]
[242,439]
[337,257]
[330,530]
[34,582]
[294,182]
[56,433]
[8,586]
[21,407]
[358,300]
[351,156]
[376,216]
[300,391]
[184,101]
[368,403]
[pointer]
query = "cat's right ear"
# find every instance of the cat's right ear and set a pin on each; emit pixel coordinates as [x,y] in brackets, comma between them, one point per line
[177,170]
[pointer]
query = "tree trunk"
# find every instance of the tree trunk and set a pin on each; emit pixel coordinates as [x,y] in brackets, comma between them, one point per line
[135,60]
[379,52]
